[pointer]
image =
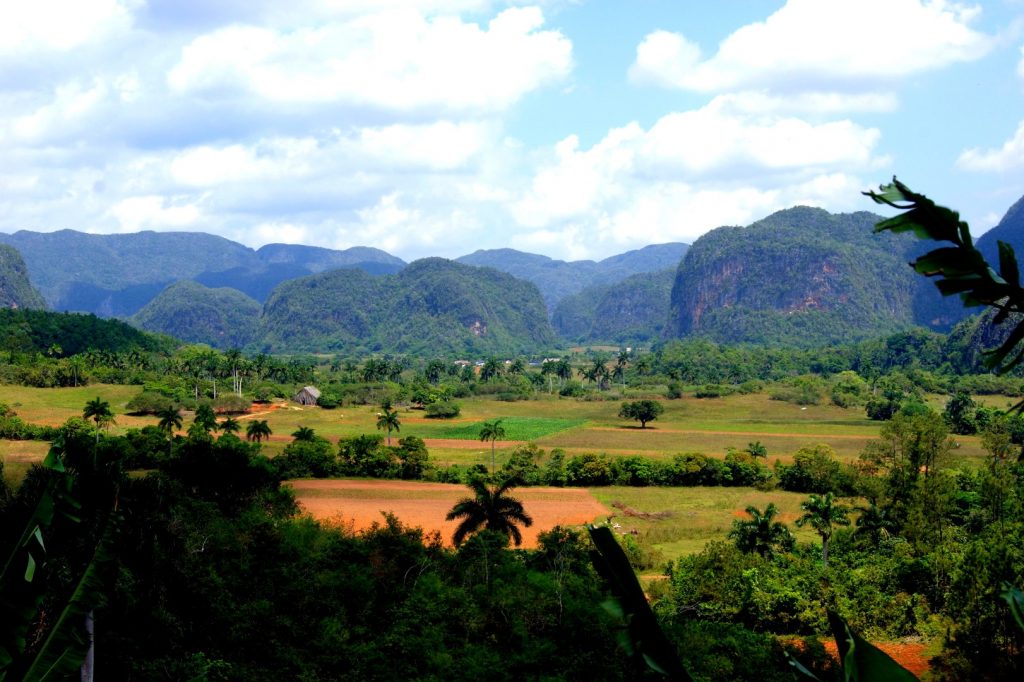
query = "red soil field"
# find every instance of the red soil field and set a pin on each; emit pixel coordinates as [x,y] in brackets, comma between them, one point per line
[908,654]
[359,503]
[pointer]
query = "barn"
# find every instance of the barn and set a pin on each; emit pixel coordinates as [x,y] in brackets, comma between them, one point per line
[307,396]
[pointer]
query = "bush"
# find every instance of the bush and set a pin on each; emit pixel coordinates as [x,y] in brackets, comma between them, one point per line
[443,410]
[572,389]
[328,401]
[713,391]
[804,390]
[231,404]
[307,458]
[148,402]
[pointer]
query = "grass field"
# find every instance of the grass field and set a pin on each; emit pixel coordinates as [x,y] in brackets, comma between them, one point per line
[687,425]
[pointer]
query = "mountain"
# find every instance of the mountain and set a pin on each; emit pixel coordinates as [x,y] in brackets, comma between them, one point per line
[116,275]
[433,306]
[222,318]
[15,289]
[801,276]
[634,309]
[557,279]
[1010,230]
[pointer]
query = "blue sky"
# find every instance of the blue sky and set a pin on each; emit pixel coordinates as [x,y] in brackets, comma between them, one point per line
[576,129]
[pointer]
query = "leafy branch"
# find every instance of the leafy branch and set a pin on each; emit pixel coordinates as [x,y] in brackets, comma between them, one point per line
[961,268]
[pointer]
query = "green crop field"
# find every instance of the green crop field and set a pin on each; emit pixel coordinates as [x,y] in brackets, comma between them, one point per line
[516,428]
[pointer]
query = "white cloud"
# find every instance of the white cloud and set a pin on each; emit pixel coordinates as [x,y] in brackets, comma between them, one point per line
[58,25]
[153,212]
[398,60]
[763,102]
[828,43]
[1007,157]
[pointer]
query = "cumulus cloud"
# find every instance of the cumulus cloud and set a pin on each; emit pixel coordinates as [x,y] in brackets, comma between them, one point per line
[58,25]
[853,44]
[397,60]
[1007,157]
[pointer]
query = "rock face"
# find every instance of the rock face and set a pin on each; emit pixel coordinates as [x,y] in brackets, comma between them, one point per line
[222,318]
[15,289]
[433,306]
[801,276]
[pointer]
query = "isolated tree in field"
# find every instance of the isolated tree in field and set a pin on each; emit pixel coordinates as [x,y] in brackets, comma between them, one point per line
[388,420]
[757,449]
[490,509]
[257,430]
[762,533]
[304,433]
[823,514]
[98,410]
[642,411]
[492,431]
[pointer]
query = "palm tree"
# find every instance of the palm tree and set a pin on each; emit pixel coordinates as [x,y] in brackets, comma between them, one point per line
[621,361]
[822,513]
[492,431]
[98,410]
[170,421]
[257,430]
[489,509]
[230,425]
[388,419]
[304,433]
[762,533]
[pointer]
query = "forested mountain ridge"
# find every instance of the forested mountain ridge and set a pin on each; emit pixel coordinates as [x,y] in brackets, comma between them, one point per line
[222,317]
[800,276]
[117,274]
[15,289]
[433,304]
[557,279]
[633,310]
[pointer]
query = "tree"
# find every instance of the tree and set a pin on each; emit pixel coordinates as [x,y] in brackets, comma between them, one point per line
[960,413]
[205,418]
[621,362]
[230,425]
[762,533]
[491,369]
[304,433]
[489,509]
[98,410]
[642,411]
[257,430]
[170,421]
[388,419]
[492,431]
[822,513]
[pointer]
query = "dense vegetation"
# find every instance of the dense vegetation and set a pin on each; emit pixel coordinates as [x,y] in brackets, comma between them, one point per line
[222,318]
[633,310]
[15,289]
[799,277]
[433,305]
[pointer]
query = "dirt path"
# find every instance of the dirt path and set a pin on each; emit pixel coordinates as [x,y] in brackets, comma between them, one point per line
[359,503]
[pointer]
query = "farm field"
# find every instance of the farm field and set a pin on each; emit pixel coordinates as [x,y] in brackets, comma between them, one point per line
[707,426]
[360,503]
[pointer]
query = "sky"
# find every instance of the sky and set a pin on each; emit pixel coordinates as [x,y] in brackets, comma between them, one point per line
[571,128]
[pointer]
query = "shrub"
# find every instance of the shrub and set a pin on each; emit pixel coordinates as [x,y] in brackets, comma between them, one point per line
[443,410]
[307,458]
[328,401]
[713,391]
[231,404]
[148,402]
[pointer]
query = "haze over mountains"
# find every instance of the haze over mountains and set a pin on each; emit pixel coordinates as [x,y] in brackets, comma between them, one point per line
[801,276]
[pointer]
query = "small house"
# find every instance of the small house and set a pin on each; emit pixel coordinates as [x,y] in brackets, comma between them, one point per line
[307,396]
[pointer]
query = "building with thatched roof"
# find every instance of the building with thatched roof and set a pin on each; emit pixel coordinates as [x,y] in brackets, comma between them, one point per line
[307,396]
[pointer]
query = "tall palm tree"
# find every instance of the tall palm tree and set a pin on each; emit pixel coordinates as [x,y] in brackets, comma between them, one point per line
[230,425]
[490,509]
[762,533]
[492,431]
[257,430]
[822,513]
[304,433]
[170,421]
[98,410]
[388,419]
